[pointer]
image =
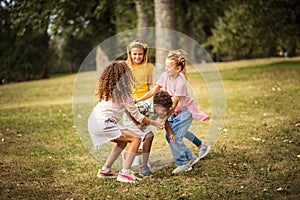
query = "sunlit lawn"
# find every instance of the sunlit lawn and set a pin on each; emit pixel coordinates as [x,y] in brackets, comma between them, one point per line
[257,155]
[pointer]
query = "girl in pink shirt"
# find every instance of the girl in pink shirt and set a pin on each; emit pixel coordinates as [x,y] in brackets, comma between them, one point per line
[181,114]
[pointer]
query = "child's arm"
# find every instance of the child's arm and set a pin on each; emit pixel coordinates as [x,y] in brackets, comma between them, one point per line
[138,124]
[149,94]
[158,122]
[134,112]
[175,101]
[170,132]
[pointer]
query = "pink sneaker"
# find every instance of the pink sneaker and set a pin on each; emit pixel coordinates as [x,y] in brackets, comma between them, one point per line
[103,174]
[127,178]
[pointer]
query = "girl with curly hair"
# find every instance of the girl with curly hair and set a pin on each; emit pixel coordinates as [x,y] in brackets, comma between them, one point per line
[115,97]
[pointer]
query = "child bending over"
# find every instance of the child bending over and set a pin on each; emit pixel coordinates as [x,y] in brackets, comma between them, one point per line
[181,114]
[115,96]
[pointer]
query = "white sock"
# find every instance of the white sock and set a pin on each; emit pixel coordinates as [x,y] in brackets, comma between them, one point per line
[125,171]
[106,169]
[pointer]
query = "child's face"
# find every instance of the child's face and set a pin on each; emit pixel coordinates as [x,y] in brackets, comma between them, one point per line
[161,111]
[172,69]
[137,55]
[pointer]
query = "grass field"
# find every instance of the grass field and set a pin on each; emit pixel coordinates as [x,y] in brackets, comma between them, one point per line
[257,155]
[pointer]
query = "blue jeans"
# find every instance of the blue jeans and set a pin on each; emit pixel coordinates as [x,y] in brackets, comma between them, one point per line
[193,138]
[180,124]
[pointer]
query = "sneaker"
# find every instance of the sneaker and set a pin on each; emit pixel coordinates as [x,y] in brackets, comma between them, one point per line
[182,168]
[204,151]
[193,160]
[127,178]
[103,174]
[145,171]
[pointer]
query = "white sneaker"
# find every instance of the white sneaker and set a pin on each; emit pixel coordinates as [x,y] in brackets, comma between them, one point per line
[193,160]
[182,168]
[203,151]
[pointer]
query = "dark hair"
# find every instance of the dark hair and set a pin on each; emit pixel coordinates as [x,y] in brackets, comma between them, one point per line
[116,82]
[163,99]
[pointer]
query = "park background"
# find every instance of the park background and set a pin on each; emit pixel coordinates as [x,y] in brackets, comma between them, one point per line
[41,38]
[254,45]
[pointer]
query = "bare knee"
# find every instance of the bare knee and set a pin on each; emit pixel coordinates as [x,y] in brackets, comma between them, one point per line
[121,144]
[137,139]
[150,135]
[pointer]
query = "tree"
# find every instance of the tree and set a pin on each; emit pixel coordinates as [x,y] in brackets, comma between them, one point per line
[143,19]
[233,35]
[256,29]
[80,27]
[280,22]
[165,20]
[25,54]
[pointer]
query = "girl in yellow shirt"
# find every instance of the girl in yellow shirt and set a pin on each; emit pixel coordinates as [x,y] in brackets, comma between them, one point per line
[138,60]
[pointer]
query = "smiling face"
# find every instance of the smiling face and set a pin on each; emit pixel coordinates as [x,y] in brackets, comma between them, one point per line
[172,69]
[137,55]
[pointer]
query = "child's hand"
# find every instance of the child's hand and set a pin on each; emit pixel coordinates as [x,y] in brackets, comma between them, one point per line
[173,138]
[159,123]
[141,126]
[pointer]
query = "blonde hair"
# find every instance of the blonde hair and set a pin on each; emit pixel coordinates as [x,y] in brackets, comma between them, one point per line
[139,45]
[178,57]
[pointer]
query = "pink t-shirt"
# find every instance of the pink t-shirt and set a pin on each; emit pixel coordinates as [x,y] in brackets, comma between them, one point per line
[178,87]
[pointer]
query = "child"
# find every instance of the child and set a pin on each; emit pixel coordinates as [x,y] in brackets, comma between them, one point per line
[138,61]
[183,111]
[162,103]
[179,52]
[115,97]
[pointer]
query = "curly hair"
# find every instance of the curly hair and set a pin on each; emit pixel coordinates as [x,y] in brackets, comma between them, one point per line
[116,82]
[163,99]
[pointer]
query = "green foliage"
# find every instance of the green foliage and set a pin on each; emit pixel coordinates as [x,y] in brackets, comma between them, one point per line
[235,35]
[38,36]
[199,14]
[74,51]
[25,55]
[256,29]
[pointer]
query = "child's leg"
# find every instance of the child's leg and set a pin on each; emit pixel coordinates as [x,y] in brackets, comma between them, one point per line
[115,152]
[193,138]
[134,141]
[147,147]
[203,148]
[180,124]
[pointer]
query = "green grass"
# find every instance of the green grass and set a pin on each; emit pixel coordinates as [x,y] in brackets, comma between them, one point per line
[256,157]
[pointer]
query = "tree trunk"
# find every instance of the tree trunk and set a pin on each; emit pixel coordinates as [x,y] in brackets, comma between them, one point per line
[142,20]
[101,59]
[189,46]
[165,26]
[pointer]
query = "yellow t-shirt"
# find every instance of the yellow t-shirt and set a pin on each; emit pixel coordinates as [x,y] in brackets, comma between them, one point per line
[141,74]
